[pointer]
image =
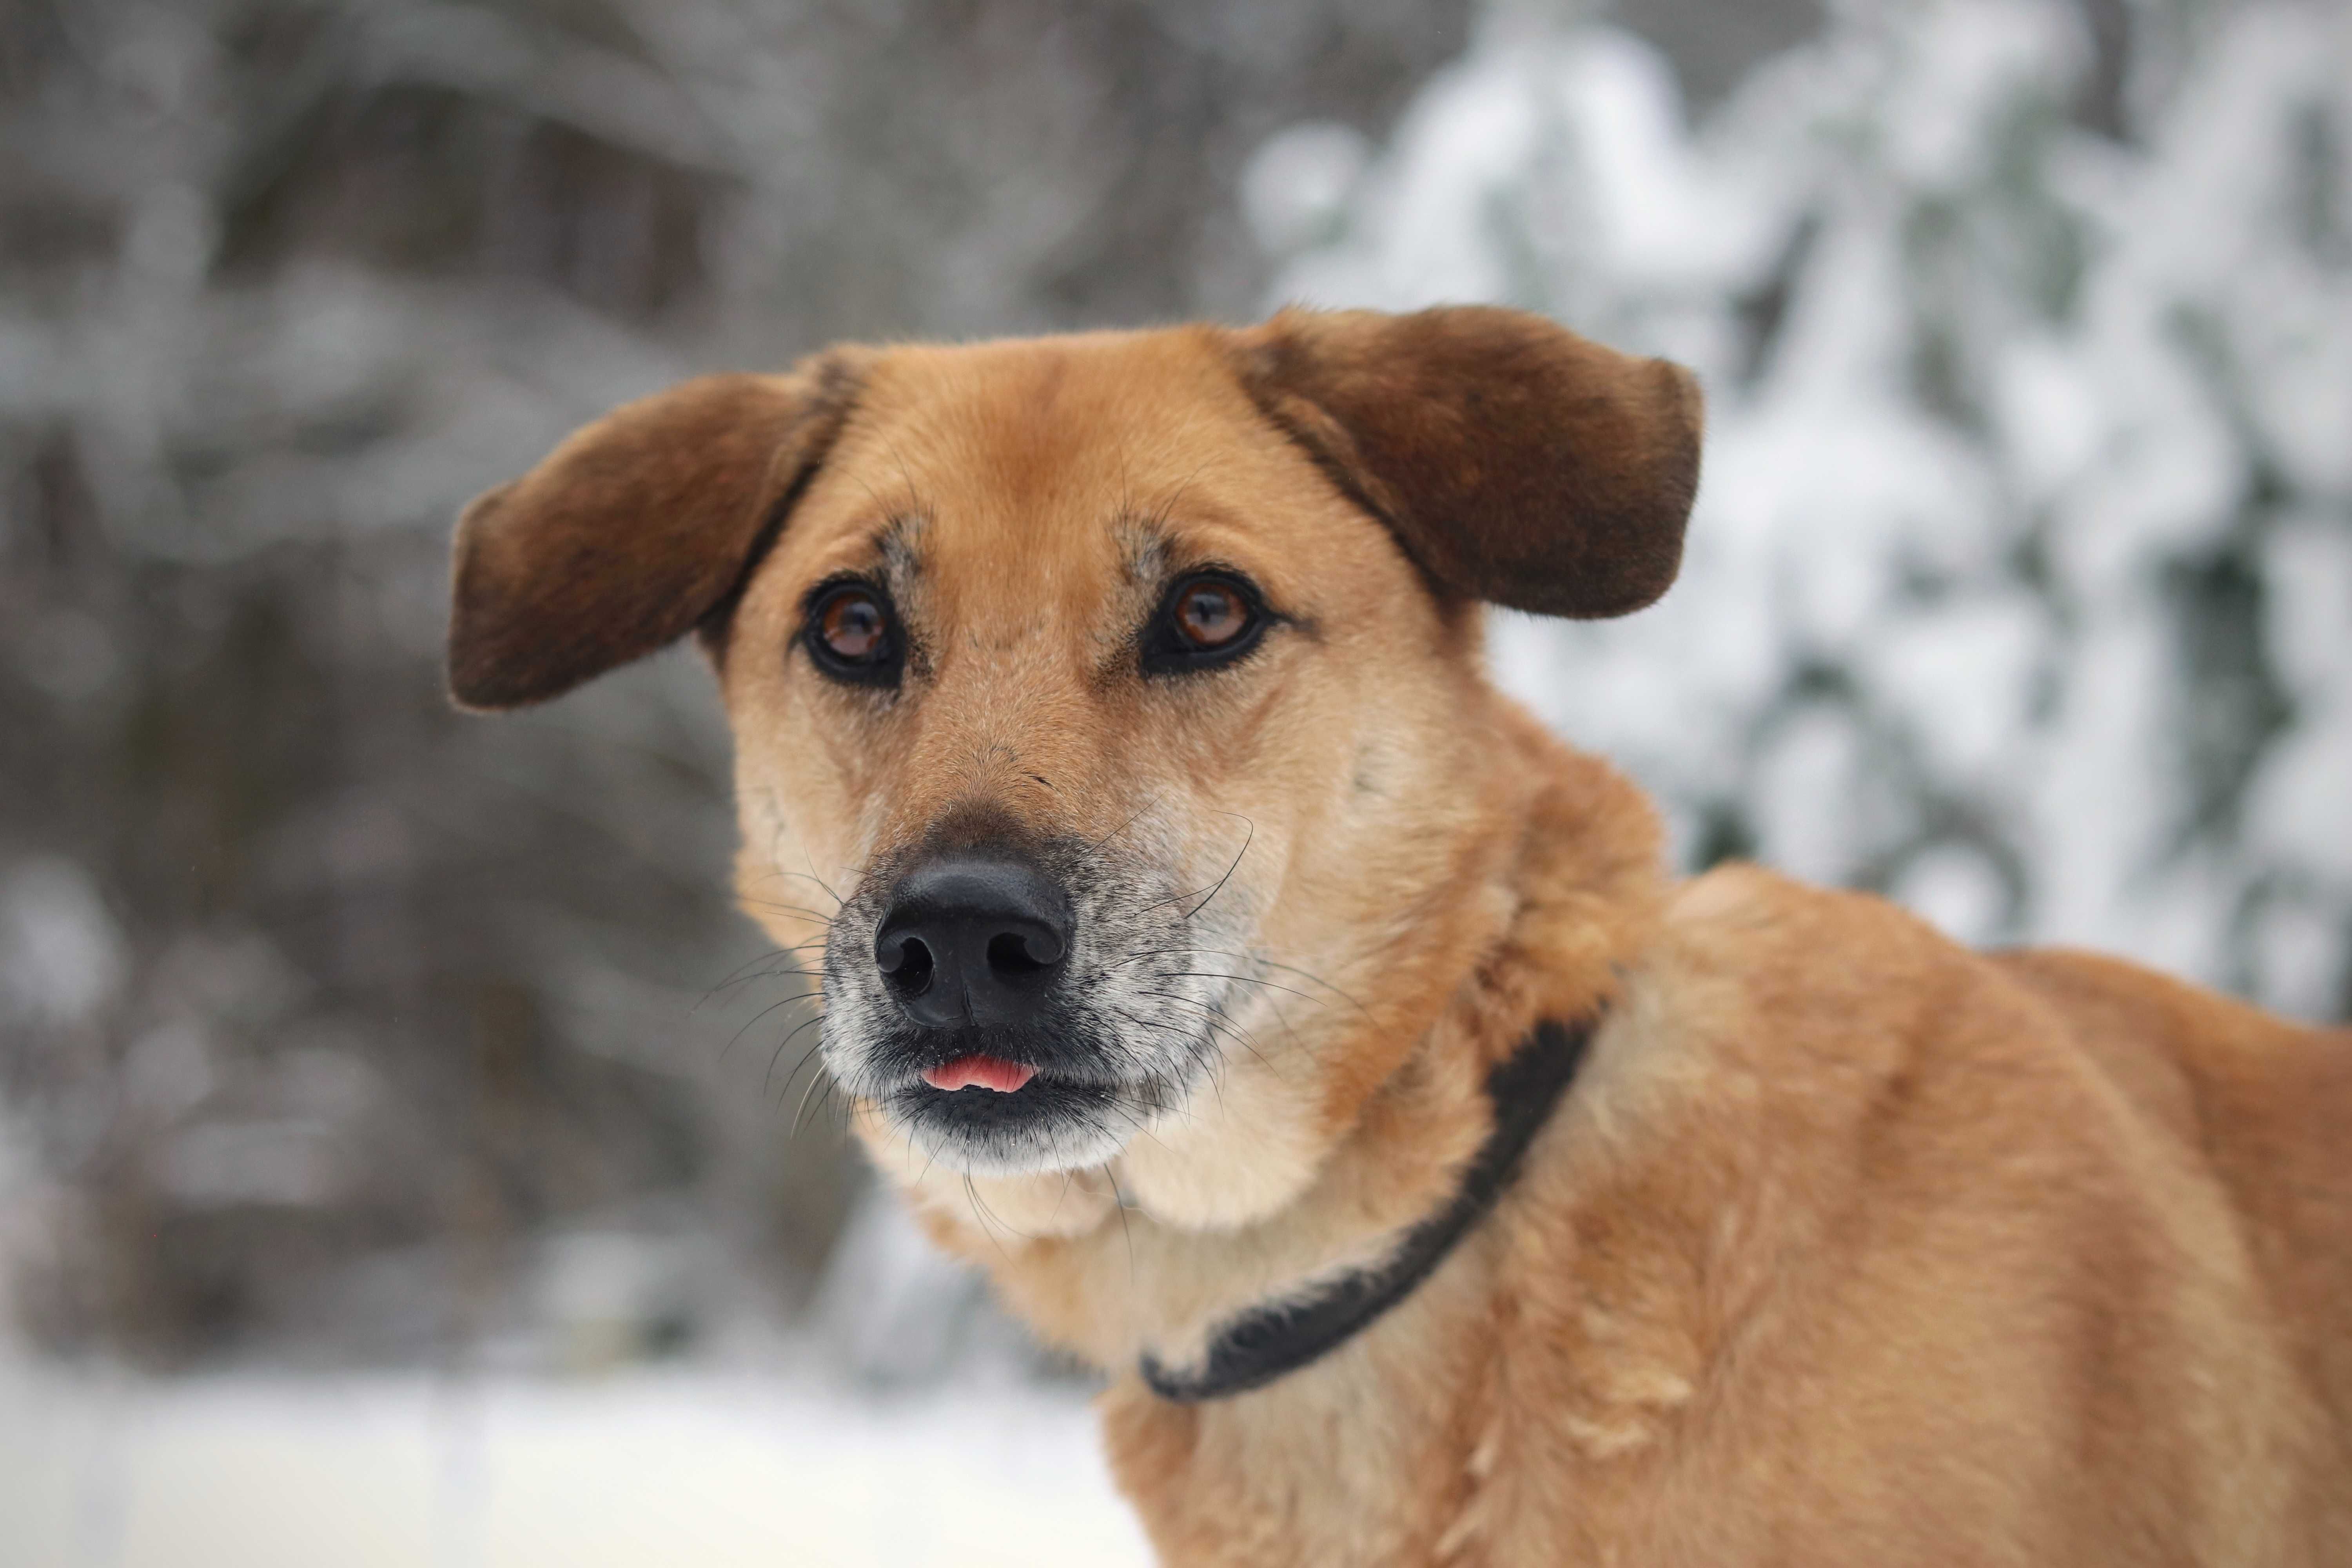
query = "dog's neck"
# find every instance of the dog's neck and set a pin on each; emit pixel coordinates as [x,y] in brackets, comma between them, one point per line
[1276,1339]
[1113,1266]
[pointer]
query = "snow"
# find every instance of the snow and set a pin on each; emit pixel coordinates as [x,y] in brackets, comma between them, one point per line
[273,1470]
[1298,185]
[2018,583]
[60,955]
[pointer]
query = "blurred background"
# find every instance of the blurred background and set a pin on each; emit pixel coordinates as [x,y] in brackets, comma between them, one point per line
[396,1154]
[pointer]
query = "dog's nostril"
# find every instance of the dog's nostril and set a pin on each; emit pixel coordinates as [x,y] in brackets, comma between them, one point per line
[1014,953]
[906,961]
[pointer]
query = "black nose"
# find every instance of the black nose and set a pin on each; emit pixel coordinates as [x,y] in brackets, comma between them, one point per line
[973,938]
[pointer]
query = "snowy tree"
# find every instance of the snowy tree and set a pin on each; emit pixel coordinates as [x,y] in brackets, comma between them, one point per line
[2019,585]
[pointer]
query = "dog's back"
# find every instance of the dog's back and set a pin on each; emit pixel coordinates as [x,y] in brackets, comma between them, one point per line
[2265,1105]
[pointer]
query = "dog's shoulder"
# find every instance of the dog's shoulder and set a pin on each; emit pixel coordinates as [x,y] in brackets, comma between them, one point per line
[1828,1162]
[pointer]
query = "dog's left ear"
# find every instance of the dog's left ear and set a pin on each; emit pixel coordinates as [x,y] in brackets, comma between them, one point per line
[1514,461]
[635,530]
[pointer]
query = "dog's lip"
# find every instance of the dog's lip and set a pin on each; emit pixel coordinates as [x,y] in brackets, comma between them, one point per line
[978,1070]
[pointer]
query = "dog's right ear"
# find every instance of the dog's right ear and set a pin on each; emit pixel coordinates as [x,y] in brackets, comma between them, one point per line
[635,531]
[1514,462]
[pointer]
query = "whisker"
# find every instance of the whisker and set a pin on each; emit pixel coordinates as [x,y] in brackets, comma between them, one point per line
[799,971]
[1294,969]
[760,1014]
[1259,959]
[828,921]
[804,1061]
[1096,847]
[778,1054]
[729,978]
[1196,1048]
[1244,980]
[810,876]
[1215,1020]
[776,804]
[815,1079]
[1126,1234]
[1247,840]
[981,1212]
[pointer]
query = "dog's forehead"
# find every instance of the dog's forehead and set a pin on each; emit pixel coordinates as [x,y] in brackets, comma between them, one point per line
[970,463]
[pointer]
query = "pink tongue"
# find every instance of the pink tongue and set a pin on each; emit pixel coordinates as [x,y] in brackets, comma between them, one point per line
[985,1072]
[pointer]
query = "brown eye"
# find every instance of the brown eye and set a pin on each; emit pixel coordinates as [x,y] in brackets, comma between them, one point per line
[851,635]
[1211,615]
[852,627]
[1208,619]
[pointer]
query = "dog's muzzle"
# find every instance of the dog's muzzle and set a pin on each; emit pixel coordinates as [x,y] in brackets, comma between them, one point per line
[1021,1003]
[973,953]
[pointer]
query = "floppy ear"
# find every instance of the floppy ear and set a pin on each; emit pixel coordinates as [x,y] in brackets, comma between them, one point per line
[636,530]
[1514,461]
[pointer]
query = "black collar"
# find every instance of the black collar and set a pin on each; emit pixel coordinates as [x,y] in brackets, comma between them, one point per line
[1265,1343]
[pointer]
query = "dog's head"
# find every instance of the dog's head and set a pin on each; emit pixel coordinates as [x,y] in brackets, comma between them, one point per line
[1109,709]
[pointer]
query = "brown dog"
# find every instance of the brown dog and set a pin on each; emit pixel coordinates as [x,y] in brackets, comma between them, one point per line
[1301,1033]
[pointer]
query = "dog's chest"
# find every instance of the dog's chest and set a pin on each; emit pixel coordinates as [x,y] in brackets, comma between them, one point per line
[1442,1434]
[1337,1466]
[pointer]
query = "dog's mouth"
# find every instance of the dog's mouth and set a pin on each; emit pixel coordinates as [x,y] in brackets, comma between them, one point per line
[984,1104]
[978,1070]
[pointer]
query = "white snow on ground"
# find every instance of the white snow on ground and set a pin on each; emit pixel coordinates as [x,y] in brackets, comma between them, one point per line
[700,1466]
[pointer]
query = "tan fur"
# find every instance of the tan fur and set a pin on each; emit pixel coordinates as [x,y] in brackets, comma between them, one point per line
[1847,1245]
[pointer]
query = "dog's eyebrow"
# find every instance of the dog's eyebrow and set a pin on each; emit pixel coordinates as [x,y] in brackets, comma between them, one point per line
[1154,545]
[898,542]
[1152,554]
[1144,549]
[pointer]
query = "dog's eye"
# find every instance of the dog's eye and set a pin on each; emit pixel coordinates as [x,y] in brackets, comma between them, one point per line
[1208,619]
[1211,615]
[852,627]
[851,635]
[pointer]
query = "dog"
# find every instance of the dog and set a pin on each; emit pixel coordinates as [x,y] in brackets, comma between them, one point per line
[1298,1033]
